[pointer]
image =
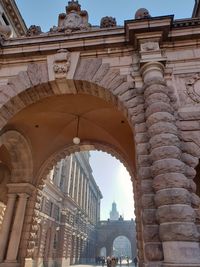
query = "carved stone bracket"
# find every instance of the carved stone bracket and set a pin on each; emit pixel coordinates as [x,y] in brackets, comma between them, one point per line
[193,87]
[61,63]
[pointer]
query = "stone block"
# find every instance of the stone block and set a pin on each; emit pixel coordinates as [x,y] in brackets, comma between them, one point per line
[117,82]
[172,196]
[155,88]
[159,107]
[168,152]
[149,216]
[179,232]
[154,252]
[181,254]
[138,119]
[144,173]
[148,201]
[141,138]
[190,160]
[164,139]
[136,110]
[37,73]
[101,72]
[190,172]
[146,187]
[176,213]
[162,127]
[167,165]
[143,149]
[155,97]
[134,102]
[140,128]
[123,87]
[126,96]
[151,233]
[160,117]
[144,160]
[191,148]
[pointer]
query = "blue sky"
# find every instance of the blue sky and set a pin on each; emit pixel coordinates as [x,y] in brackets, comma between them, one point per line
[115,184]
[109,173]
[45,12]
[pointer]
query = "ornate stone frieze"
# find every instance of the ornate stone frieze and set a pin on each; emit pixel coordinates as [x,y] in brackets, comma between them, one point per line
[193,87]
[74,19]
[108,22]
[62,63]
[34,30]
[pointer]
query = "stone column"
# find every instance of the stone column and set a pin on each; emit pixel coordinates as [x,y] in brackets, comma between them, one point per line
[17,229]
[5,229]
[176,217]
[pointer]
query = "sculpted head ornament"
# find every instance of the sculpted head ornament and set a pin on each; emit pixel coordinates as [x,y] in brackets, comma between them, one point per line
[142,13]
[108,22]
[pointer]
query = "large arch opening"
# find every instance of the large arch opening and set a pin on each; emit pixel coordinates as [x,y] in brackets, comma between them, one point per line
[49,125]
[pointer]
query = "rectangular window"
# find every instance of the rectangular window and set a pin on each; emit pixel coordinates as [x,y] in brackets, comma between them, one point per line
[5,19]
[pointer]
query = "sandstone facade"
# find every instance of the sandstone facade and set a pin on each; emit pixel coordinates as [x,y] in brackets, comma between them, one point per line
[136,90]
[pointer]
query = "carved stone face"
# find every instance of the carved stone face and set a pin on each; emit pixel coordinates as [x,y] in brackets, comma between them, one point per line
[72,21]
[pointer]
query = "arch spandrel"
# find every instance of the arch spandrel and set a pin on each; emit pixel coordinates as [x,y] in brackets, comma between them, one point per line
[104,87]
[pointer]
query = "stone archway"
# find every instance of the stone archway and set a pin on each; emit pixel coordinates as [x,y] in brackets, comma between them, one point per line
[33,86]
[149,114]
[108,231]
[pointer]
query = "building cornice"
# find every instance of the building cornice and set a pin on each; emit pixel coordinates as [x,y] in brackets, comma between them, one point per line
[15,17]
[169,30]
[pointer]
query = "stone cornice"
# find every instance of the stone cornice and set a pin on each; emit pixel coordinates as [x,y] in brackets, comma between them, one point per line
[15,17]
[162,28]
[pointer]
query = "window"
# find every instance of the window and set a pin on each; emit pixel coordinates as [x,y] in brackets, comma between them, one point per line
[5,19]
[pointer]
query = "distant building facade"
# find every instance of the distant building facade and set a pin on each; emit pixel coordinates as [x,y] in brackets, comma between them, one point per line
[70,210]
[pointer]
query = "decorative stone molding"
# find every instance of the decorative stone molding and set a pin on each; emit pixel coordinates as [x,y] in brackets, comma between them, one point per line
[74,19]
[193,88]
[34,30]
[149,46]
[108,22]
[62,62]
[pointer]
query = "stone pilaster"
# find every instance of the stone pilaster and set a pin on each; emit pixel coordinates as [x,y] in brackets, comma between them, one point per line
[176,217]
[5,228]
[15,236]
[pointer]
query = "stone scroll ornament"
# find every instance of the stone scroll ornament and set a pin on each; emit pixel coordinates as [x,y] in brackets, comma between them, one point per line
[193,87]
[62,63]
[74,19]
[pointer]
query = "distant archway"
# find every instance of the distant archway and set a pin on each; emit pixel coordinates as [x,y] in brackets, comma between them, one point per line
[122,247]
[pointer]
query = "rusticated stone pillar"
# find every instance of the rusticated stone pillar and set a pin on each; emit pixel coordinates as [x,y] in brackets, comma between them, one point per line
[176,217]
